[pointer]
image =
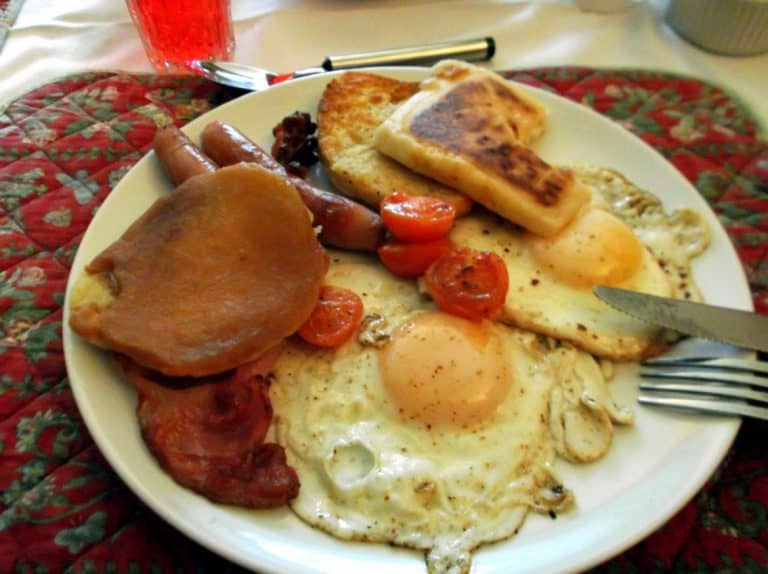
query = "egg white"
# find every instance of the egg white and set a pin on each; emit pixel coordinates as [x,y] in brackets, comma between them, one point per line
[370,473]
[674,238]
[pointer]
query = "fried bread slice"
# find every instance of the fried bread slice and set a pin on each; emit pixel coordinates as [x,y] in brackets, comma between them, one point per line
[470,129]
[209,277]
[350,109]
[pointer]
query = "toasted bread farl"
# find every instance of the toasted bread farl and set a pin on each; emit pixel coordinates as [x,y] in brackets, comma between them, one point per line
[470,129]
[350,109]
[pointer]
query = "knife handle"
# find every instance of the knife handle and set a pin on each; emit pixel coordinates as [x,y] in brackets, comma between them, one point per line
[426,54]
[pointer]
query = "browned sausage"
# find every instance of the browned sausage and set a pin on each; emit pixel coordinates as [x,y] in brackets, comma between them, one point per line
[344,223]
[180,158]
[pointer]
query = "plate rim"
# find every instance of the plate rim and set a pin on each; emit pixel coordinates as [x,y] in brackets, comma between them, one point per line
[729,428]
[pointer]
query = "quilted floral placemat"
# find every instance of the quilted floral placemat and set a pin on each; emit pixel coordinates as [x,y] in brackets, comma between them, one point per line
[63,148]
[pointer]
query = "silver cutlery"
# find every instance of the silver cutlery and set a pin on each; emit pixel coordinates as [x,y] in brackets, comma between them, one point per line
[256,79]
[744,329]
[726,386]
[729,386]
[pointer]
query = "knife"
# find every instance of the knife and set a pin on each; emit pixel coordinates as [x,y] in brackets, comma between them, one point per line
[741,328]
[256,79]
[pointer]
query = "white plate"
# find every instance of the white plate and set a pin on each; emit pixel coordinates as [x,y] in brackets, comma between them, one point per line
[653,468]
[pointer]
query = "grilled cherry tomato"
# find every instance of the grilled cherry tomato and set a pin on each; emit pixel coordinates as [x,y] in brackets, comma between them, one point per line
[412,259]
[334,319]
[416,217]
[468,283]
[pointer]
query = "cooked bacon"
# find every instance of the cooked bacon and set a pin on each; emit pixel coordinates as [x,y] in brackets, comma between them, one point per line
[259,479]
[208,433]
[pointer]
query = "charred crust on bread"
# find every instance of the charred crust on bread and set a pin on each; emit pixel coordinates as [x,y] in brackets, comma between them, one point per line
[451,124]
[350,109]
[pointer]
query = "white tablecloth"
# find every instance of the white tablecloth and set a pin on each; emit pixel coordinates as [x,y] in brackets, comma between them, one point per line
[52,38]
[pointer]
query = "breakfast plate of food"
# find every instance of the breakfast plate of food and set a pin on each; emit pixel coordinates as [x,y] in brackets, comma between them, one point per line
[392,359]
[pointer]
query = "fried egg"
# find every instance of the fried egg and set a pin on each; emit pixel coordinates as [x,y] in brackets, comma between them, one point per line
[431,431]
[674,238]
[622,239]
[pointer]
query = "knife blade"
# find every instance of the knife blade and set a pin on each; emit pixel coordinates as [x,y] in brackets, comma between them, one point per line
[257,79]
[740,328]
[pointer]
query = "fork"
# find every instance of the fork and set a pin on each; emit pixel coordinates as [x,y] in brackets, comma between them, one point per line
[256,79]
[723,385]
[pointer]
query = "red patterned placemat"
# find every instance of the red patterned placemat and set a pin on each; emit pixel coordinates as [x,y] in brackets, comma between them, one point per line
[64,146]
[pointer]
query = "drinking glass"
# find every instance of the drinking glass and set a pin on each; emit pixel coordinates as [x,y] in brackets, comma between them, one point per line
[177,32]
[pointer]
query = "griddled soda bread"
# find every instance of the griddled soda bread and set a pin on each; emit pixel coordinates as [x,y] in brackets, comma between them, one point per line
[470,129]
[350,109]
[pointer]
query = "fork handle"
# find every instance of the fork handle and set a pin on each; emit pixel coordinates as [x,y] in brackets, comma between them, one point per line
[426,54]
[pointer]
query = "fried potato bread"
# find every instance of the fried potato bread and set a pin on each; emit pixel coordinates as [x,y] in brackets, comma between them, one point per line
[469,128]
[350,109]
[204,281]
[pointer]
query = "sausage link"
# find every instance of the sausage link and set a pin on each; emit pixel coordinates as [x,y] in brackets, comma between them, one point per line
[344,223]
[180,158]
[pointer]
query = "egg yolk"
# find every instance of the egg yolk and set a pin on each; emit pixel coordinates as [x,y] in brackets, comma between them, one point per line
[597,248]
[443,369]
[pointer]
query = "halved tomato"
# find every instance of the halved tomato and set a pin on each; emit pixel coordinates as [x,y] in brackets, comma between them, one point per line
[412,259]
[334,319]
[416,218]
[468,283]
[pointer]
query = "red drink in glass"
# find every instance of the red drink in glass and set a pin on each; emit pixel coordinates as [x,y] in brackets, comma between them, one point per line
[176,32]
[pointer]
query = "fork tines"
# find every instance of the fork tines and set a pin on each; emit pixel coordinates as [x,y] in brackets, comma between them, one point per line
[722,385]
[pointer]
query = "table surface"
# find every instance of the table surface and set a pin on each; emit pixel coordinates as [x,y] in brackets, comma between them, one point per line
[54,39]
